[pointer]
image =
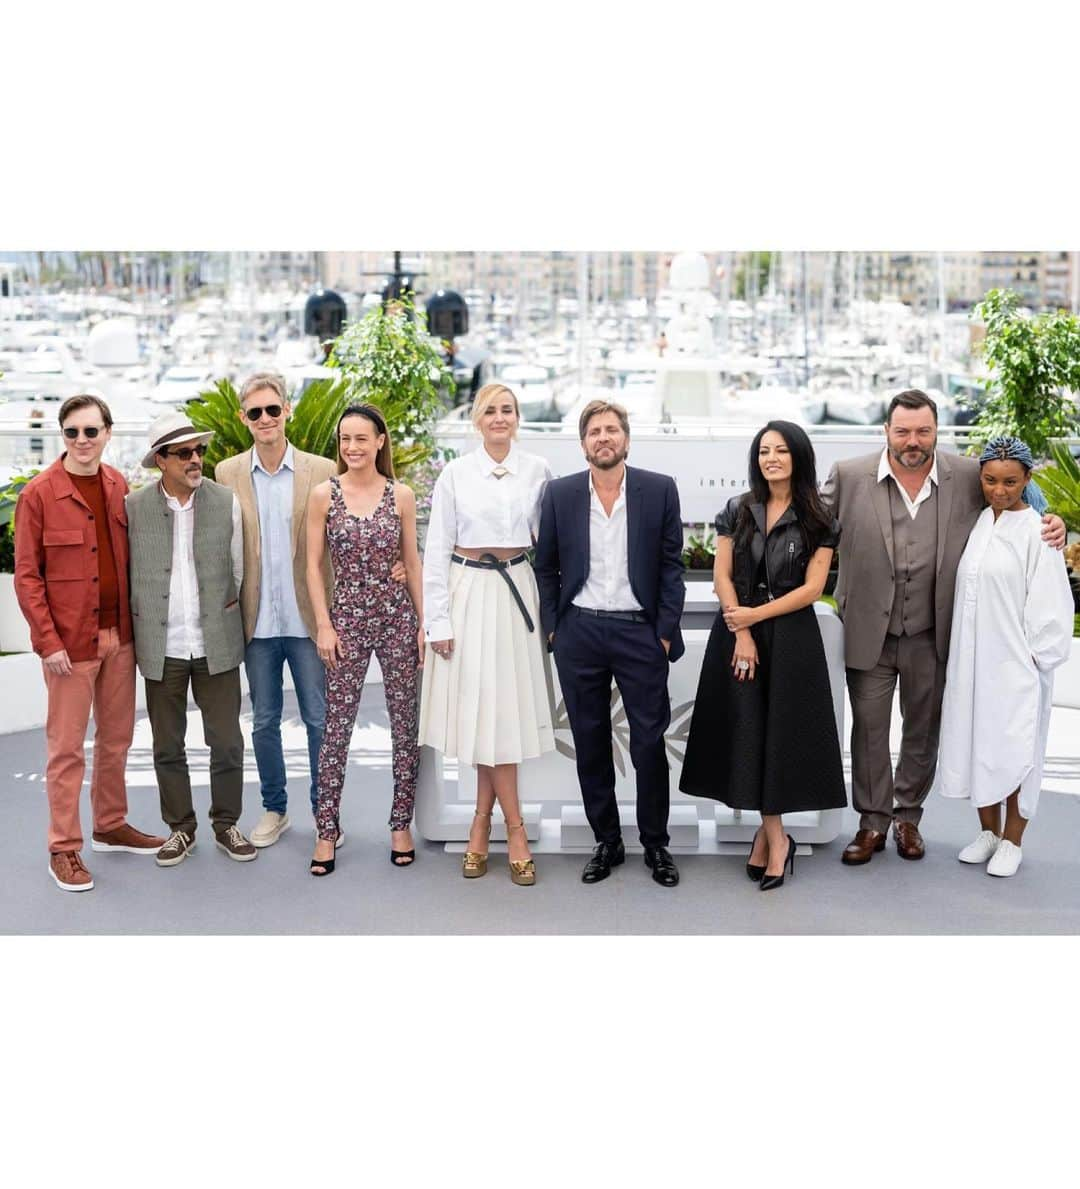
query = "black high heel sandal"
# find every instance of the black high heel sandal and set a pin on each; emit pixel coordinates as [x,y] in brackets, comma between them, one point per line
[754,870]
[768,882]
[326,864]
[402,858]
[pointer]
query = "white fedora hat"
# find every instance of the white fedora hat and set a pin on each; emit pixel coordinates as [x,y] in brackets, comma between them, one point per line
[169,430]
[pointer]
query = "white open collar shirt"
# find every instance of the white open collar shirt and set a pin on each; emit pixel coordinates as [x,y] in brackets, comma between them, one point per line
[183,634]
[929,483]
[607,584]
[473,508]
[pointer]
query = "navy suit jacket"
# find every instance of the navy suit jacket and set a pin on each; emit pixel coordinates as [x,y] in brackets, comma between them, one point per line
[654,549]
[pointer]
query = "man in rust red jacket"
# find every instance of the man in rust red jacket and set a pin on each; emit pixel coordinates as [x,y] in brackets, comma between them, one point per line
[71,580]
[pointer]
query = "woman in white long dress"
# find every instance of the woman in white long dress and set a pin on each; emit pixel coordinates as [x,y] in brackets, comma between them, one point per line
[1012,626]
[484,697]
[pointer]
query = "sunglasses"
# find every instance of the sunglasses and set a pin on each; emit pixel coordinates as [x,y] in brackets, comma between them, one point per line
[91,431]
[185,452]
[255,413]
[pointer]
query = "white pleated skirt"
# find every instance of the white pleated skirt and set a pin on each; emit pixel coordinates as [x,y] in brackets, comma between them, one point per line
[489,702]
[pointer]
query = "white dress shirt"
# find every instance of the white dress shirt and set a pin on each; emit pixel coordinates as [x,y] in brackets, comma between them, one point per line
[607,584]
[885,471]
[473,508]
[183,634]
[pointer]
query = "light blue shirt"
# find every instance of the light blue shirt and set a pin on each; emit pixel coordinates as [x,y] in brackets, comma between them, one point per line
[278,613]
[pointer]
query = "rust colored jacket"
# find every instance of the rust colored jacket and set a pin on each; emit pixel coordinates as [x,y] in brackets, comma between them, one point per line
[56,562]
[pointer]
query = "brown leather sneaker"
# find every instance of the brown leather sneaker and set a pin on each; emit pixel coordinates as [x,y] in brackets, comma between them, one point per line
[863,847]
[127,838]
[909,843]
[67,869]
[235,845]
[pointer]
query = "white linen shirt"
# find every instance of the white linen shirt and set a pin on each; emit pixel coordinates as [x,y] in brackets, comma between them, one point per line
[183,634]
[885,471]
[472,508]
[607,584]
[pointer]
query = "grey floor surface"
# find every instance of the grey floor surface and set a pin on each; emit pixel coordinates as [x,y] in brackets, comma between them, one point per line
[210,894]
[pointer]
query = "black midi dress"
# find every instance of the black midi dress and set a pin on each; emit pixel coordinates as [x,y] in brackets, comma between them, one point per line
[770,744]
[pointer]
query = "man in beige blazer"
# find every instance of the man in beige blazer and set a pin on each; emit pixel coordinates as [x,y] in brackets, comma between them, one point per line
[272,482]
[906,514]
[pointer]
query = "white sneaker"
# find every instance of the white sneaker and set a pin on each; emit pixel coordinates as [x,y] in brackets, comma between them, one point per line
[270,828]
[981,849]
[1006,859]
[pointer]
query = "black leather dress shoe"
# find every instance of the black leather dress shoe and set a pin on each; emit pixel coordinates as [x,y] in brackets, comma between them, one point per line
[663,866]
[604,857]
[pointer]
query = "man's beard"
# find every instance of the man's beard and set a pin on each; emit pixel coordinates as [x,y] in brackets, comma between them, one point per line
[607,464]
[924,456]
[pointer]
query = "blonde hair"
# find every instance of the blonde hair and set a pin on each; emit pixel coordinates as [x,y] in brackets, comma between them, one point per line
[487,396]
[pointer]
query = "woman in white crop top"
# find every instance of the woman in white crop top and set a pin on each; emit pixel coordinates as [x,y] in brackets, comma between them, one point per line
[484,698]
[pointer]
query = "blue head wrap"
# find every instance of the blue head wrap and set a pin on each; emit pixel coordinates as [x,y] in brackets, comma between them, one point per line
[1004,448]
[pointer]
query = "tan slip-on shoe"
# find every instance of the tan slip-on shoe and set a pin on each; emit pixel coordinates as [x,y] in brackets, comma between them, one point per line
[270,828]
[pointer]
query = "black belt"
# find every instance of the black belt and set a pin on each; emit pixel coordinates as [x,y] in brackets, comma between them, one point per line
[632,616]
[488,561]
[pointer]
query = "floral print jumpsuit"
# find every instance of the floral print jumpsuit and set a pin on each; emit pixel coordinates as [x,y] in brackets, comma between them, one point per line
[370,612]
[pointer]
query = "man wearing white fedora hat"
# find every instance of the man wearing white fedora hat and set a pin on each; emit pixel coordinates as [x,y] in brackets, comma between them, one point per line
[186,568]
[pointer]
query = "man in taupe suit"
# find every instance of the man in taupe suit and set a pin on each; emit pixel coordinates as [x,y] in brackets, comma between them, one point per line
[906,514]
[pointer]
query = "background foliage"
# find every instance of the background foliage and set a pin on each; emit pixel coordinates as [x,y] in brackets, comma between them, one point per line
[385,359]
[1035,366]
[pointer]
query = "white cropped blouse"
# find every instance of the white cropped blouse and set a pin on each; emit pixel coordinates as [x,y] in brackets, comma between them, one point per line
[472,507]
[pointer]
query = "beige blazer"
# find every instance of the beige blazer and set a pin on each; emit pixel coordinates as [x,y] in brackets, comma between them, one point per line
[866,582]
[308,471]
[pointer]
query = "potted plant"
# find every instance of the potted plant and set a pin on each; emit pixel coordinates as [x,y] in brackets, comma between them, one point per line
[699,554]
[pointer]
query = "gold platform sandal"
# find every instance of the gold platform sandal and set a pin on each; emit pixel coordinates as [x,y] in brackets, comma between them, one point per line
[522,871]
[474,864]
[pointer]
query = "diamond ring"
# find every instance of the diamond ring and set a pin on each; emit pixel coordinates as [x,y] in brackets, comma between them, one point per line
[743,666]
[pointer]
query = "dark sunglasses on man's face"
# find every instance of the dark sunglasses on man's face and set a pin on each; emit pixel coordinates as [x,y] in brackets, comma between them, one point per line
[255,413]
[91,431]
[185,452]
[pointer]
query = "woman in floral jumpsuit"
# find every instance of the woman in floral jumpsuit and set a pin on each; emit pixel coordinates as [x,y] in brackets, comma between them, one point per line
[367,520]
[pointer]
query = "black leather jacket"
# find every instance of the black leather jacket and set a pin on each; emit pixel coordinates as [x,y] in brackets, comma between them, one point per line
[775,567]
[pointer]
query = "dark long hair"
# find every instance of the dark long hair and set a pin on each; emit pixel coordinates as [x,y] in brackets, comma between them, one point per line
[384,460]
[812,516]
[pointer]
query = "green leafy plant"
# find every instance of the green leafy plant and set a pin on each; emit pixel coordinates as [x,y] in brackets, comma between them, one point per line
[700,552]
[1060,483]
[9,495]
[1036,368]
[389,359]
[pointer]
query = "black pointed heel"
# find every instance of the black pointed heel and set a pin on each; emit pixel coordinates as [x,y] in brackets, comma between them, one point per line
[753,870]
[768,882]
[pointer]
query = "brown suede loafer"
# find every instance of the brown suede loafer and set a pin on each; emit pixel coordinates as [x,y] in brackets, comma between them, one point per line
[909,843]
[863,847]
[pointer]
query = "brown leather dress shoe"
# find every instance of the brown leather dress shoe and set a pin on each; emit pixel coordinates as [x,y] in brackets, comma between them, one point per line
[863,847]
[909,843]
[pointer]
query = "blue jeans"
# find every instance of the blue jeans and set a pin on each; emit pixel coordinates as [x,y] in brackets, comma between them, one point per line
[265,662]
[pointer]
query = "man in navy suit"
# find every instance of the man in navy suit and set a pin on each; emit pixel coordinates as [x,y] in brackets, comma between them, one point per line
[609,569]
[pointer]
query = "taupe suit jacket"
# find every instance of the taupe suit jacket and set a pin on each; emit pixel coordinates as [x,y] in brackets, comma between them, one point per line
[867,583]
[308,471]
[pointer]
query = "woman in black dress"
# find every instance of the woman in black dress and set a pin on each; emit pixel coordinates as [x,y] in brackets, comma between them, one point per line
[763,735]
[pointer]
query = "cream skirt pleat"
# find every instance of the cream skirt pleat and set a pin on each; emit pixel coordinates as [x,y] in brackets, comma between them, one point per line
[488,704]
